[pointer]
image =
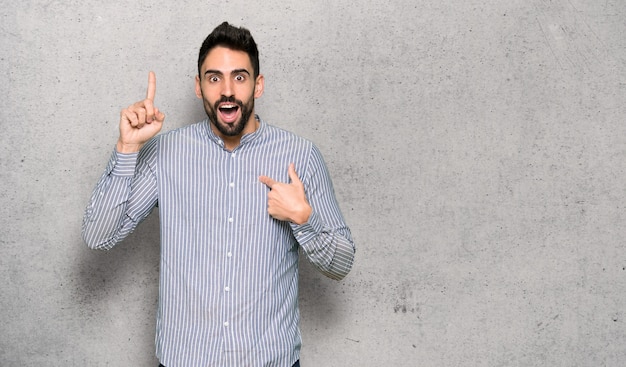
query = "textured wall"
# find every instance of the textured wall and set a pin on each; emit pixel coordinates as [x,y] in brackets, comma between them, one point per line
[478,151]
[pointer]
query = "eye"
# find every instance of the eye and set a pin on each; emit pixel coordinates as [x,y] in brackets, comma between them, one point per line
[240,77]
[213,79]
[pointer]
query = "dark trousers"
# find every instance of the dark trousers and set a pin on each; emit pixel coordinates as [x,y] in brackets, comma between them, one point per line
[297,364]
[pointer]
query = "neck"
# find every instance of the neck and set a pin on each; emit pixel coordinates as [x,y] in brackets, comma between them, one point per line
[232,141]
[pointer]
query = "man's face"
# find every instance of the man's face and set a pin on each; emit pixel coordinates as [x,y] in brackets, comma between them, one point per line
[228,88]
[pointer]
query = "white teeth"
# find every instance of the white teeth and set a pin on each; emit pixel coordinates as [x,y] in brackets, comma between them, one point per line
[228,106]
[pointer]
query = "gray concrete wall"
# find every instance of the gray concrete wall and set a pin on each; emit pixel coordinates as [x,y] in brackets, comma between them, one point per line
[478,150]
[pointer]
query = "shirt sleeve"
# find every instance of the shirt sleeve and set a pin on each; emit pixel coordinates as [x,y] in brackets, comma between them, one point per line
[325,238]
[124,196]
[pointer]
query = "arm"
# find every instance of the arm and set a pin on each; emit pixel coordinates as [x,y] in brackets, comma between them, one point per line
[126,192]
[313,212]
[124,196]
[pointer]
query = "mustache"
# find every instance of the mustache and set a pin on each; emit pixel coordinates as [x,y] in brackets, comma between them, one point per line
[230,99]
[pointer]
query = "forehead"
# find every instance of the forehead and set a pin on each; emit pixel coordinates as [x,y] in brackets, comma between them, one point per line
[225,60]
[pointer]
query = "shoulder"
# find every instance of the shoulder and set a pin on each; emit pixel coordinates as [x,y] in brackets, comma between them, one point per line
[295,148]
[182,139]
[193,130]
[276,135]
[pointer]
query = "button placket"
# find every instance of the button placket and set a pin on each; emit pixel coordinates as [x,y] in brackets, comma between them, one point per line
[231,238]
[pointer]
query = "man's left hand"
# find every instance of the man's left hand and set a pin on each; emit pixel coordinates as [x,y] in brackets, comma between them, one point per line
[287,202]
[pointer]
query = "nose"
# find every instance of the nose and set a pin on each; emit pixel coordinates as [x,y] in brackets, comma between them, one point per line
[227,88]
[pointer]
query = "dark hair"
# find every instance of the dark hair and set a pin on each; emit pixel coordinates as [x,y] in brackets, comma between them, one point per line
[234,38]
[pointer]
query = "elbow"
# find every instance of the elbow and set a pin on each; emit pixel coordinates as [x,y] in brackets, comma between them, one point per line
[337,277]
[344,273]
[94,245]
[94,242]
[340,268]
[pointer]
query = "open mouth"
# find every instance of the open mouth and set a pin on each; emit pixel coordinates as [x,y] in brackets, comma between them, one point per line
[228,112]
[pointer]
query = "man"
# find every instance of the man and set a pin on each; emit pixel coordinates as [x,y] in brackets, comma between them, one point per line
[233,215]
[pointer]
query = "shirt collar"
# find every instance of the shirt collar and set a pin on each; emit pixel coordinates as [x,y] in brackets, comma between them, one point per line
[244,139]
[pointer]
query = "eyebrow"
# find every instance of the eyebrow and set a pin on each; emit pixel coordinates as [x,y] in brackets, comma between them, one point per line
[218,72]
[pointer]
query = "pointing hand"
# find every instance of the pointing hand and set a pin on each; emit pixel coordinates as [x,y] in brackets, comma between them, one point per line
[140,121]
[287,202]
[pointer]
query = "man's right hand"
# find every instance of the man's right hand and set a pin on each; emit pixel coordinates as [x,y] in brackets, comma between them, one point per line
[140,121]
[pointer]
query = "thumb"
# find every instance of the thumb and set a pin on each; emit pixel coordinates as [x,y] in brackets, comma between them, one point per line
[158,115]
[293,175]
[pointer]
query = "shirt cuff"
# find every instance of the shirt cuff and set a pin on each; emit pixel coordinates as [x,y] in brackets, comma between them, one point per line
[123,164]
[307,231]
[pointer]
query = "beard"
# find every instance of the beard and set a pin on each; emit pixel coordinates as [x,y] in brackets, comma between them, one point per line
[236,127]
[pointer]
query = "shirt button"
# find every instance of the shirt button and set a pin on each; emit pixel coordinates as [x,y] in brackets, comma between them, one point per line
[226,323]
[233,155]
[232,184]
[227,289]
[300,234]
[230,254]
[230,220]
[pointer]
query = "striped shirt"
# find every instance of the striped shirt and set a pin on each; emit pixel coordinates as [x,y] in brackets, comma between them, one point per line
[228,293]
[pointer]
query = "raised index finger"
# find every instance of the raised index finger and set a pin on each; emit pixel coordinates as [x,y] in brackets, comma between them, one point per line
[151,86]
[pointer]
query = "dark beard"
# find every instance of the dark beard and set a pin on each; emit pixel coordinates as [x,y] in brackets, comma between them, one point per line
[236,128]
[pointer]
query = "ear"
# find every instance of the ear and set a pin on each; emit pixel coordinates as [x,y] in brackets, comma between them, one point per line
[259,86]
[198,89]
